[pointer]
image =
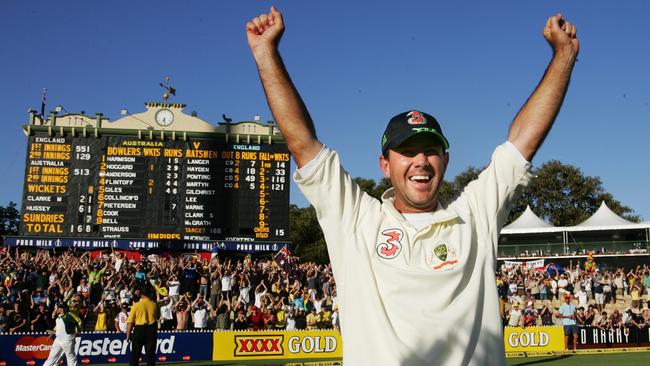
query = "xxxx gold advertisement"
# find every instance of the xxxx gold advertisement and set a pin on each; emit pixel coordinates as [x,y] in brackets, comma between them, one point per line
[231,346]
[534,339]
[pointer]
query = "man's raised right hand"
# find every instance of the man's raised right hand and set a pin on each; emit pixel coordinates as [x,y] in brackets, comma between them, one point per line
[265,30]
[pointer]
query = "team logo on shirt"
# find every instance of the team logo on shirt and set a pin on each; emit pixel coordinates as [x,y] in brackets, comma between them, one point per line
[392,245]
[416,118]
[443,257]
[441,252]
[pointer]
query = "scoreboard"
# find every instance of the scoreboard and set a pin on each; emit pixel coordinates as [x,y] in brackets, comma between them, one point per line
[119,187]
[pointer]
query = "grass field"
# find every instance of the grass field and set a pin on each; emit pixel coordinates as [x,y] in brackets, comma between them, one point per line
[608,359]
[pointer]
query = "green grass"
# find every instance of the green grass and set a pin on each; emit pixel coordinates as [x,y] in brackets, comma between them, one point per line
[603,359]
[609,359]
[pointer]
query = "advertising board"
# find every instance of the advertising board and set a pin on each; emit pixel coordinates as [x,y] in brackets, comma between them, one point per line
[105,348]
[290,345]
[534,339]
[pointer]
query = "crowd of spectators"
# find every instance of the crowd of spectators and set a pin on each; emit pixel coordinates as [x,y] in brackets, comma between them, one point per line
[244,293]
[229,293]
[603,299]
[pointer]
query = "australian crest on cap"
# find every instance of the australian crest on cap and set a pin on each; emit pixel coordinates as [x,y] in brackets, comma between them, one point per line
[416,118]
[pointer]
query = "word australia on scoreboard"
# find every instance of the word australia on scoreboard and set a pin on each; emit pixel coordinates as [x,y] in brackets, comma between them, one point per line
[155,183]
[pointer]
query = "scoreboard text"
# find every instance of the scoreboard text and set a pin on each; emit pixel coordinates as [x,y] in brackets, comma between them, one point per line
[124,187]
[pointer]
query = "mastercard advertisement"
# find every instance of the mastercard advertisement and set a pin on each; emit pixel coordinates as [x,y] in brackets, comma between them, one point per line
[94,348]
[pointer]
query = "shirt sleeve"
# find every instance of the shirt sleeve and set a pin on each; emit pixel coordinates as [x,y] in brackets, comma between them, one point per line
[131,318]
[490,197]
[338,200]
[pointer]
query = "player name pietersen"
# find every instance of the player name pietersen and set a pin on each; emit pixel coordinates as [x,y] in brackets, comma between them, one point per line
[118,205]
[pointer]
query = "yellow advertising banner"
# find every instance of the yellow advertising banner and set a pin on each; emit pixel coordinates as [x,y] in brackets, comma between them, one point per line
[534,339]
[248,345]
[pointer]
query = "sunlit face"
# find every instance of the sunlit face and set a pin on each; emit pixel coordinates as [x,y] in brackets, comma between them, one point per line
[416,169]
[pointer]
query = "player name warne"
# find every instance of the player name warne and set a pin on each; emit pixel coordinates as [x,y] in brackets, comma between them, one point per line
[194,207]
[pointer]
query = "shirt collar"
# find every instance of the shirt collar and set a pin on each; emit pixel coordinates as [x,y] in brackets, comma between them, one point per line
[441,214]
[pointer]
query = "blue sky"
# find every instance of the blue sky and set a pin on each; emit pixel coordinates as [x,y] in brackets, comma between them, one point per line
[357,63]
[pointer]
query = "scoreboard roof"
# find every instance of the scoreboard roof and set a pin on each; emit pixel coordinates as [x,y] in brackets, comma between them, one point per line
[160,119]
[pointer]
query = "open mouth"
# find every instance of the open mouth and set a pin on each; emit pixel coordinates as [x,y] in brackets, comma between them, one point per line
[421,178]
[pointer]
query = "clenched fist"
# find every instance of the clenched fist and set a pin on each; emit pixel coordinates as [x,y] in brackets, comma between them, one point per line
[265,30]
[561,35]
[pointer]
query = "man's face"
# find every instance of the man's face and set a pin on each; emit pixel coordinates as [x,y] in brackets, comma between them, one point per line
[415,169]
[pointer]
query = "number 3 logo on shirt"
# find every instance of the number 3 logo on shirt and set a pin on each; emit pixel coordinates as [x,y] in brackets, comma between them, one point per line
[393,246]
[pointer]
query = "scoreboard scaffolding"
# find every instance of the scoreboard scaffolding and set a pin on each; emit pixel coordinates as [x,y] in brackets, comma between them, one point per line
[182,181]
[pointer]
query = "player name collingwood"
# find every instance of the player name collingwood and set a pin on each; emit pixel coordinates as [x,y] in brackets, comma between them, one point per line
[121,197]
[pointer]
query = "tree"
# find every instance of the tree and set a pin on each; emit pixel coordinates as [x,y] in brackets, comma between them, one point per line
[559,193]
[448,191]
[9,219]
[369,186]
[562,195]
[306,235]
